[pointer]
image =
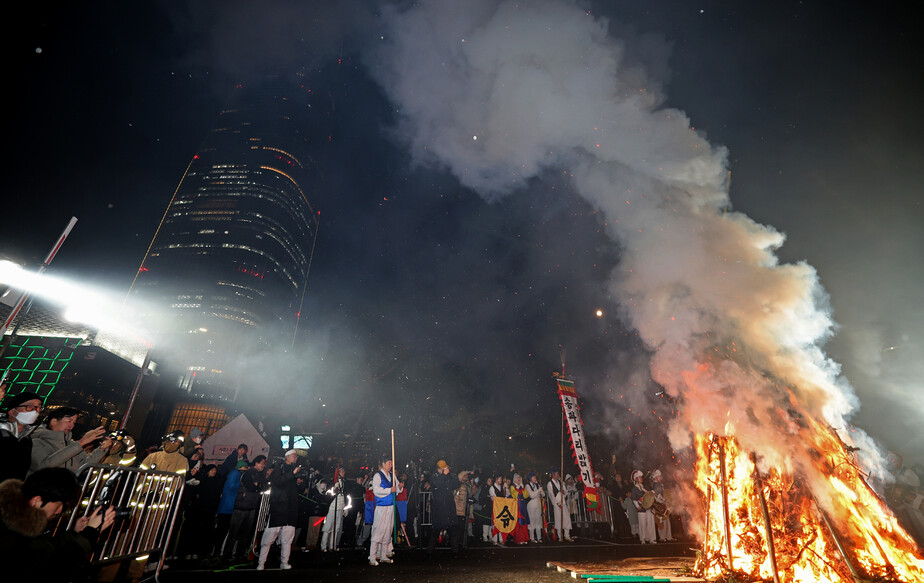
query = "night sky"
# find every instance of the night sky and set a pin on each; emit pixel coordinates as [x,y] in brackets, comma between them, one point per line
[442,311]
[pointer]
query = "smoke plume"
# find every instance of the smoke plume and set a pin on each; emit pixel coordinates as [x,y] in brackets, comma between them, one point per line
[504,94]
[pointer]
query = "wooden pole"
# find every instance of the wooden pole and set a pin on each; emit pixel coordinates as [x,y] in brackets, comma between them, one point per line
[728,543]
[394,483]
[771,549]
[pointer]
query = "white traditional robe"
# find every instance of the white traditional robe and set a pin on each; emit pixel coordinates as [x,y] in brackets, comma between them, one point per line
[560,508]
[384,523]
[534,508]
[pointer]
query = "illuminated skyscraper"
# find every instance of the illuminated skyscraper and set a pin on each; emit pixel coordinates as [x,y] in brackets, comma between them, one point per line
[229,262]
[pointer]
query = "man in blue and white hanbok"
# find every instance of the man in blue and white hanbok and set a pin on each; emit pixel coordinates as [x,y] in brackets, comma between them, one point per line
[384,489]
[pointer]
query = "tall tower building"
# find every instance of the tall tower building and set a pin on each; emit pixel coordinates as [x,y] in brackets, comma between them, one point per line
[228,266]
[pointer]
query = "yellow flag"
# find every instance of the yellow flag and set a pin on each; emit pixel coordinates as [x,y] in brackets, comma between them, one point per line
[505,514]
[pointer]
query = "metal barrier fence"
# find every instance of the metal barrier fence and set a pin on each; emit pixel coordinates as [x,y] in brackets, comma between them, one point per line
[581,517]
[424,515]
[146,502]
[261,523]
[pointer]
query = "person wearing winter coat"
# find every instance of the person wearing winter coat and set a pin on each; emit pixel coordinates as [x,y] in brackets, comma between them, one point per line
[283,512]
[226,506]
[27,511]
[16,427]
[54,447]
[462,498]
[253,483]
[442,504]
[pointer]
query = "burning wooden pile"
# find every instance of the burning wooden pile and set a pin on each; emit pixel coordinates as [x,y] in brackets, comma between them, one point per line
[818,521]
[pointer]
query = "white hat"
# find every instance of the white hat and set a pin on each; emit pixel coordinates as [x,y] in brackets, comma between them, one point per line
[636,474]
[291,452]
[655,474]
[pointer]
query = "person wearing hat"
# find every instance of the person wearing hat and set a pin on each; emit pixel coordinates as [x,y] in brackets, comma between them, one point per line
[169,458]
[22,410]
[442,504]
[283,512]
[122,452]
[662,523]
[646,526]
[196,437]
[560,510]
[54,447]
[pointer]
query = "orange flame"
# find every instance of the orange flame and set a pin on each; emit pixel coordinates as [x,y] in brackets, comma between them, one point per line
[826,525]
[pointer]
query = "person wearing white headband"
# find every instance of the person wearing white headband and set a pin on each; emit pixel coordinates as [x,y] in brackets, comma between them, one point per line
[662,518]
[646,521]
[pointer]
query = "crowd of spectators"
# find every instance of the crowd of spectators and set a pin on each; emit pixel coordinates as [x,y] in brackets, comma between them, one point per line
[305,508]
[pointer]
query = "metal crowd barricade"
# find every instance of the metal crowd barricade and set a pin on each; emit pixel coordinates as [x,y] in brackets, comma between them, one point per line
[147,504]
[423,509]
[581,517]
[262,522]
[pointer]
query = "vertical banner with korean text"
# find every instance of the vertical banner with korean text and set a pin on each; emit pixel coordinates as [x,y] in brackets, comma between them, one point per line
[569,404]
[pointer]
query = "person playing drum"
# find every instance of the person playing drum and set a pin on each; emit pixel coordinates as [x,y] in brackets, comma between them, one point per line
[640,497]
[659,508]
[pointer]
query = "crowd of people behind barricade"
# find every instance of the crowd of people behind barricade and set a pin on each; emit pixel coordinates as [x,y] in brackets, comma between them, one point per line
[241,510]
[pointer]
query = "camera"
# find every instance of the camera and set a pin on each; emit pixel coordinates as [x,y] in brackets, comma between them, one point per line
[108,493]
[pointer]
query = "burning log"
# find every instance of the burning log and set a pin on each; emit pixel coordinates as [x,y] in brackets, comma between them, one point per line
[828,525]
[766,513]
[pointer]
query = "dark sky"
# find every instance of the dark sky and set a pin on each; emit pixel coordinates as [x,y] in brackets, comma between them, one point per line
[445,311]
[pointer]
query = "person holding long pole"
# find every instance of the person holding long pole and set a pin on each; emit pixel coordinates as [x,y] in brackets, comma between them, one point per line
[383,525]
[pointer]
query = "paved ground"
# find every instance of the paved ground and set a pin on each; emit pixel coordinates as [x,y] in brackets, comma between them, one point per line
[486,563]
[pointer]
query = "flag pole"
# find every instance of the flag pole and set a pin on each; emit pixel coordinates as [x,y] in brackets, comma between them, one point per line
[561,483]
[561,468]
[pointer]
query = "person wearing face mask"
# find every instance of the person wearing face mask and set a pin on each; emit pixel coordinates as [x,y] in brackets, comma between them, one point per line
[22,410]
[53,446]
[169,459]
[196,437]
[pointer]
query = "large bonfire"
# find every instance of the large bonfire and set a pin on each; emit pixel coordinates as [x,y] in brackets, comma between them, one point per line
[813,518]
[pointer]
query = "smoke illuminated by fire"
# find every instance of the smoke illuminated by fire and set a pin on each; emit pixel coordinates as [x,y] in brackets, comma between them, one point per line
[735,336]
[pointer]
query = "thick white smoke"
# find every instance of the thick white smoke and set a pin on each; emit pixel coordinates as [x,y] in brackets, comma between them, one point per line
[500,93]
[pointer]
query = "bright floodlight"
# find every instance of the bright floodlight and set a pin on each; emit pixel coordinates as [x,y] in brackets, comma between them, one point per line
[599,313]
[80,303]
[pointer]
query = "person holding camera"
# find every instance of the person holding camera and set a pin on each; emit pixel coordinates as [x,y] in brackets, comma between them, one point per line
[283,511]
[27,509]
[53,446]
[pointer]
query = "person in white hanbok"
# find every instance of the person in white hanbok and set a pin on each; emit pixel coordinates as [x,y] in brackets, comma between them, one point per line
[497,490]
[646,521]
[534,508]
[384,487]
[662,522]
[562,514]
[333,524]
